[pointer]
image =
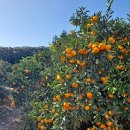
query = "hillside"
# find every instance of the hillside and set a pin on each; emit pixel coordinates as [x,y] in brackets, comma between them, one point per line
[13,55]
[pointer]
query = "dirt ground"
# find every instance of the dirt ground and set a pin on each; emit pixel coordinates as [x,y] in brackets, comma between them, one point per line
[11,120]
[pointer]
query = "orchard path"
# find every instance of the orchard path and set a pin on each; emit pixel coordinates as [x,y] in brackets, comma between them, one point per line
[10,119]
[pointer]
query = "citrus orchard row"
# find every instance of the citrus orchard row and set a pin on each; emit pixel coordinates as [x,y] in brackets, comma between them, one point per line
[87,78]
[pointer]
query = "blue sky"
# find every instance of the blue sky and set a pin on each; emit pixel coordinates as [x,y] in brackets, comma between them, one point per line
[35,22]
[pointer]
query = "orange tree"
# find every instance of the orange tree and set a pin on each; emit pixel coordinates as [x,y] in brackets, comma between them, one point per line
[27,74]
[90,77]
[5,69]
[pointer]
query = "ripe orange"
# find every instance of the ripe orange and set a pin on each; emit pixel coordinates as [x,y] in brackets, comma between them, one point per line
[68,76]
[94,45]
[93,33]
[95,18]
[38,119]
[68,50]
[53,110]
[46,121]
[83,63]
[58,97]
[89,95]
[39,126]
[109,123]
[110,57]
[62,58]
[98,123]
[120,47]
[72,95]
[106,117]
[85,52]
[108,128]
[67,95]
[104,82]
[120,57]
[72,61]
[103,79]
[75,85]
[108,47]
[81,51]
[102,126]
[80,96]
[88,25]
[68,55]
[88,80]
[95,50]
[116,128]
[58,77]
[111,39]
[73,53]
[90,45]
[46,106]
[102,46]
[111,95]
[124,51]
[87,108]
[120,67]
[54,99]
[42,127]
[75,70]
[78,62]
[110,113]
[129,99]
[66,104]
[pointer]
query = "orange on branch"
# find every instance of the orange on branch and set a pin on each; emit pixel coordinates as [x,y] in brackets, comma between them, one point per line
[81,51]
[88,25]
[68,55]
[85,52]
[95,50]
[75,85]
[67,95]
[102,46]
[68,50]
[95,19]
[89,95]
[73,53]
[110,113]
[88,80]
[110,57]
[72,61]
[108,47]
[68,76]
[87,108]
[111,39]
[102,126]
[109,123]
[93,33]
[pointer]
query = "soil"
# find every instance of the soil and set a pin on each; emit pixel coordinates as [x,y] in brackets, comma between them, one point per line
[10,119]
